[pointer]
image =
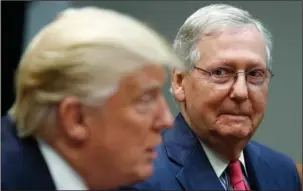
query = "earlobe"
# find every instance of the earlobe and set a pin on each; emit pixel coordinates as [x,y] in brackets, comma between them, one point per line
[177,87]
[72,120]
[79,133]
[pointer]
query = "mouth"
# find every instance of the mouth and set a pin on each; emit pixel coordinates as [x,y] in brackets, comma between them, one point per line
[235,116]
[152,153]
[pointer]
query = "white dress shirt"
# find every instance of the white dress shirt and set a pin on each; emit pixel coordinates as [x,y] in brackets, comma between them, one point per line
[219,165]
[63,175]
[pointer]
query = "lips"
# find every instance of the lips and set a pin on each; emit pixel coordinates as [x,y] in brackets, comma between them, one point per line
[151,147]
[152,153]
[234,112]
[238,116]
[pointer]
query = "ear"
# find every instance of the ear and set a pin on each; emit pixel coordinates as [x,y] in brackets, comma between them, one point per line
[71,118]
[177,81]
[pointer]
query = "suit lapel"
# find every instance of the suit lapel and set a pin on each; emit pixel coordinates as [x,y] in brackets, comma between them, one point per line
[259,171]
[182,146]
[197,173]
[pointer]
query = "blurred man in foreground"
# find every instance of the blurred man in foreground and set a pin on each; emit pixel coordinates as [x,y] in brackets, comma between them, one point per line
[89,109]
[222,97]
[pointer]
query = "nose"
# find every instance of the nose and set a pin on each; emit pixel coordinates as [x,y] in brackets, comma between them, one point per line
[164,116]
[239,91]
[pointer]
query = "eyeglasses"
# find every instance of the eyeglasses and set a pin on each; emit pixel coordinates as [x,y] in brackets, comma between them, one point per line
[221,75]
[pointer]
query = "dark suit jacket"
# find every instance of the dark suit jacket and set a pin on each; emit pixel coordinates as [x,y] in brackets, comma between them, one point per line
[183,164]
[22,164]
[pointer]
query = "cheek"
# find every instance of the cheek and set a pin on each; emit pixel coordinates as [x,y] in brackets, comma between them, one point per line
[259,99]
[120,139]
[136,127]
[205,98]
[122,131]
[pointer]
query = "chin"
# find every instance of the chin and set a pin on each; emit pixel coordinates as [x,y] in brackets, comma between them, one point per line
[235,130]
[236,133]
[138,174]
[145,171]
[241,135]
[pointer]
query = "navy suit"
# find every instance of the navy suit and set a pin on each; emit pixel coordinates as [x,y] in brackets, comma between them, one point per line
[22,164]
[183,164]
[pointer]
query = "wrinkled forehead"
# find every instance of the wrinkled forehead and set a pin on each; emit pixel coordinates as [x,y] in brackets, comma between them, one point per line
[234,45]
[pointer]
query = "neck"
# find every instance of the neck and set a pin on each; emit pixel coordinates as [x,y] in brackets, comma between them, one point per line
[67,153]
[225,151]
[78,158]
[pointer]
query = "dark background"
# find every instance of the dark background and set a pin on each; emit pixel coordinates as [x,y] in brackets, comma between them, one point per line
[12,19]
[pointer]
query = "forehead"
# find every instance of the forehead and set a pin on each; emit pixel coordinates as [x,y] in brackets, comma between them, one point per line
[147,78]
[239,46]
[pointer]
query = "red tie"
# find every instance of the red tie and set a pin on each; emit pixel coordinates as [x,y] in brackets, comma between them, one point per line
[236,176]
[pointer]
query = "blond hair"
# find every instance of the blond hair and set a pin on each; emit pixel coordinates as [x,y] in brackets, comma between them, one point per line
[83,53]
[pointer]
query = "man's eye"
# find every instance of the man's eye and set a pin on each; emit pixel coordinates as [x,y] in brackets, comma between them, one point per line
[146,98]
[145,104]
[257,73]
[220,71]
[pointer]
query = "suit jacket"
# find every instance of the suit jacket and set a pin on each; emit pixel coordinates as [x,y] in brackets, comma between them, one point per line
[22,164]
[183,164]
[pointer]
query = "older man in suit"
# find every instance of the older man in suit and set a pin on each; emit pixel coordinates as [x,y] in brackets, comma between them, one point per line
[222,97]
[89,108]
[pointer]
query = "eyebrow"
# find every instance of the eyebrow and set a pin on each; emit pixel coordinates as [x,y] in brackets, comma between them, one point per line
[230,63]
[151,87]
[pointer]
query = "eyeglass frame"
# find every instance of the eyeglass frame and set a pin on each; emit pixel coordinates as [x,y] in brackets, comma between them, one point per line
[235,74]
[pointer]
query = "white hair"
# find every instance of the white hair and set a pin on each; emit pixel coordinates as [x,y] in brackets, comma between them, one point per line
[83,53]
[208,20]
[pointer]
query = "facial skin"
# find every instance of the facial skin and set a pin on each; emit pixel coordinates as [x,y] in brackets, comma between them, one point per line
[224,116]
[113,145]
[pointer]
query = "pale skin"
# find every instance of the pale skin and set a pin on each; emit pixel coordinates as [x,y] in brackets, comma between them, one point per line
[113,145]
[224,116]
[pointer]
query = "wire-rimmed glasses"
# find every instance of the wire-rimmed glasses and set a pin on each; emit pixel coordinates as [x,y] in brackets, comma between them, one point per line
[221,75]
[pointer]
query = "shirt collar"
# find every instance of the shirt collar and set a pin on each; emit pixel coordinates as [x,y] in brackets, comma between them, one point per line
[218,163]
[64,176]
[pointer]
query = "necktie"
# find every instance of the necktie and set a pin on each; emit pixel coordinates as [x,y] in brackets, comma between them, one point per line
[236,176]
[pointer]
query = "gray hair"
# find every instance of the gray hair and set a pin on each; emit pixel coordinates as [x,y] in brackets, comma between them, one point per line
[210,19]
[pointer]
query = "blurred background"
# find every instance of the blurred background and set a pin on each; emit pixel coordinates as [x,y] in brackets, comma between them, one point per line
[282,125]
